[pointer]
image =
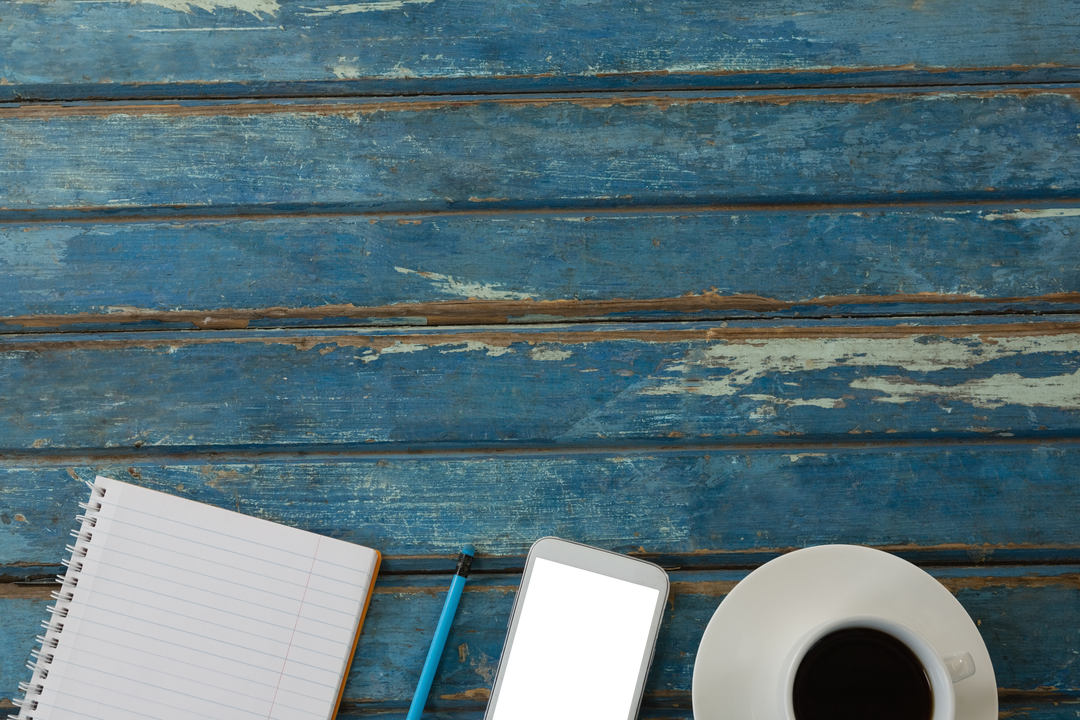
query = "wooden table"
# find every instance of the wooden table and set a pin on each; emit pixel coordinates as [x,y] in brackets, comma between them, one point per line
[702,281]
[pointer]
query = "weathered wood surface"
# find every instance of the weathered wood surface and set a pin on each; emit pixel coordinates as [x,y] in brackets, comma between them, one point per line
[259,47]
[982,503]
[1028,617]
[868,213]
[1011,607]
[535,267]
[522,386]
[997,145]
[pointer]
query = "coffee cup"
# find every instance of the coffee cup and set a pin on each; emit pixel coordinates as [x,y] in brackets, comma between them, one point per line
[869,666]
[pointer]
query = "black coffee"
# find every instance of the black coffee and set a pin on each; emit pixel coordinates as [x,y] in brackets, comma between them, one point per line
[861,674]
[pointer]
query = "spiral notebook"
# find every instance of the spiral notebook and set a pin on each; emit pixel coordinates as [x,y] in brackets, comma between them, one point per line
[175,610]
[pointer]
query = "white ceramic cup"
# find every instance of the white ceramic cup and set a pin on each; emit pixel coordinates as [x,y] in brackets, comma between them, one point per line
[942,672]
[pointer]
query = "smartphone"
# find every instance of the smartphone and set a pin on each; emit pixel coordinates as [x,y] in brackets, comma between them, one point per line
[581,635]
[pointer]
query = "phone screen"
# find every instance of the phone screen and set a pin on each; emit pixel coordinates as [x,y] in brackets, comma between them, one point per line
[578,648]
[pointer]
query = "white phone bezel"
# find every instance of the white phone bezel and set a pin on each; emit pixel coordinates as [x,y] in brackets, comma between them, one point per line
[603,562]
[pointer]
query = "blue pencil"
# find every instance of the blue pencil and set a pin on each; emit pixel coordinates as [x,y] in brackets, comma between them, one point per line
[441,631]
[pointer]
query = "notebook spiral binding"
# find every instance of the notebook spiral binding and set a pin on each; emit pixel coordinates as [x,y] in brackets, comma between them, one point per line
[54,624]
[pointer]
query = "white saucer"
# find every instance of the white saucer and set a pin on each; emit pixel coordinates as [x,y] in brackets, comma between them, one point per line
[740,659]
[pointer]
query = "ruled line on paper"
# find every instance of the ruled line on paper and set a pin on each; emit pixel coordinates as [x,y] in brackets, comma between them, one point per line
[174,661]
[127,680]
[156,619]
[189,582]
[205,530]
[99,592]
[228,658]
[200,651]
[175,712]
[272,702]
[212,592]
[214,556]
[217,549]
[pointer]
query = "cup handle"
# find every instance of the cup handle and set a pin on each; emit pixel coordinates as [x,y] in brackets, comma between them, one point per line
[960,666]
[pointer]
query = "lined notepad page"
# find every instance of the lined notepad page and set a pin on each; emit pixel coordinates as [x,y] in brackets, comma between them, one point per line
[187,611]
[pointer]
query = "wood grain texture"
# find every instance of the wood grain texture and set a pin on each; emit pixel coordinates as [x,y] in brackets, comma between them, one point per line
[505,268]
[522,386]
[693,280]
[690,507]
[540,153]
[1010,606]
[246,47]
[1005,617]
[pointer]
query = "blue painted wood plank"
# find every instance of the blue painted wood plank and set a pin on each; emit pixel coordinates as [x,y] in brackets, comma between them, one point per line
[1009,610]
[483,268]
[540,153]
[1010,606]
[1046,606]
[238,47]
[20,623]
[538,386]
[713,507]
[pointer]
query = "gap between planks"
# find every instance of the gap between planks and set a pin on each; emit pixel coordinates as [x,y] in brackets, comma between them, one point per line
[305,340]
[711,588]
[359,452]
[1017,207]
[834,79]
[503,312]
[367,105]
